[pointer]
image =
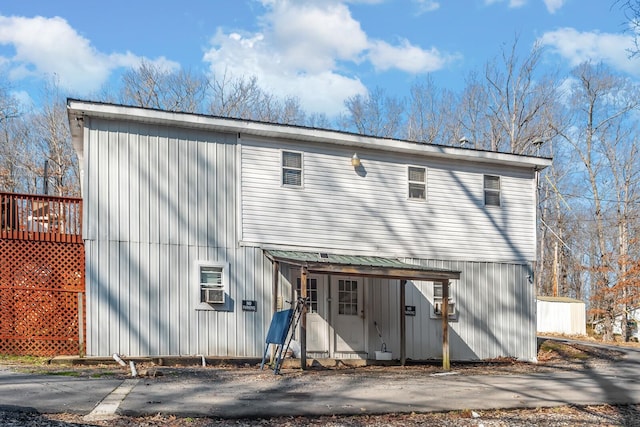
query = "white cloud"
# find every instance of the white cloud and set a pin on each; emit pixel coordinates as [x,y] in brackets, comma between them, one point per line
[312,36]
[578,47]
[554,5]
[251,55]
[512,3]
[302,50]
[49,46]
[425,6]
[405,57]
[551,5]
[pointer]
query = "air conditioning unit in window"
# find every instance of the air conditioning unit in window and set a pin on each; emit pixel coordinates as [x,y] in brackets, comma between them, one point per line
[214,295]
[437,309]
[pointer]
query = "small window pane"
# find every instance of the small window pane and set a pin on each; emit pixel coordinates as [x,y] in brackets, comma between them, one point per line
[416,191]
[416,174]
[437,290]
[491,198]
[211,275]
[291,160]
[291,177]
[491,182]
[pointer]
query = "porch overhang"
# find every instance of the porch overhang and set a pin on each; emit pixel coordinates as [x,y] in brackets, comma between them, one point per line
[359,265]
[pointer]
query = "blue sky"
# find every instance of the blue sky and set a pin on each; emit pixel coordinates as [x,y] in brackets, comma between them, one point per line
[321,51]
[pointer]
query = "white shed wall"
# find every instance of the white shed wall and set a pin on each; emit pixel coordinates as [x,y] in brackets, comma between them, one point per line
[562,317]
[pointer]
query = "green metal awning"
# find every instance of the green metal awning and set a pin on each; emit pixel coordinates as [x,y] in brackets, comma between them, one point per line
[358,265]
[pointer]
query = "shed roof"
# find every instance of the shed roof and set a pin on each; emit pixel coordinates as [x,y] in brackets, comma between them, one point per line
[560,299]
[370,266]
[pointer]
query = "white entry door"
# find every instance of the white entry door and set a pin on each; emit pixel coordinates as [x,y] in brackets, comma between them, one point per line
[347,308]
[317,315]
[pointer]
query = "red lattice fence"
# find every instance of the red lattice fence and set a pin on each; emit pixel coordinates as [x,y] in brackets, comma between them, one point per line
[41,276]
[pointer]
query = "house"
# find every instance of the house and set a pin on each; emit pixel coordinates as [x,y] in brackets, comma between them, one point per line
[561,315]
[198,228]
[633,320]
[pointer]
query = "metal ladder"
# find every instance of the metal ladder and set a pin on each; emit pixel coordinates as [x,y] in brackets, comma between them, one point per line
[281,331]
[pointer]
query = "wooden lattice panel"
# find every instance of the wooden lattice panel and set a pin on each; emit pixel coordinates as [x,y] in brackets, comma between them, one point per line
[41,289]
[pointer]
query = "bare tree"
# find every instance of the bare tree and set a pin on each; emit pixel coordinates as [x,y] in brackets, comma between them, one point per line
[631,10]
[50,141]
[597,130]
[10,146]
[430,114]
[375,114]
[151,86]
[507,110]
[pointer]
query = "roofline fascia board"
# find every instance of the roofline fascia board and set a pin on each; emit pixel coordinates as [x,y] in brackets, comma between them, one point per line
[77,109]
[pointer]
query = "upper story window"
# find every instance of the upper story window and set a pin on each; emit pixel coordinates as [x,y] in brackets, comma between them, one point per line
[491,190]
[292,168]
[417,182]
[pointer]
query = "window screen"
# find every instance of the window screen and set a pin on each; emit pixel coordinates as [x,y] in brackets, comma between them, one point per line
[291,168]
[417,183]
[491,190]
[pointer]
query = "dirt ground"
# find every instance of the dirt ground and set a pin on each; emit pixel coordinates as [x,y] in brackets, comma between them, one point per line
[552,356]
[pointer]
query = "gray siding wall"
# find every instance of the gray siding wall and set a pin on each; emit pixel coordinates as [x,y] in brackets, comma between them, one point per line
[369,211]
[156,200]
[160,198]
[496,314]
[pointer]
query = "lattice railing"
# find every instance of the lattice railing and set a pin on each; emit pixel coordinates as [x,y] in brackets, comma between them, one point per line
[38,217]
[41,294]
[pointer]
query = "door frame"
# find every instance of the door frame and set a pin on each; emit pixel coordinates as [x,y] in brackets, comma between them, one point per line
[363,315]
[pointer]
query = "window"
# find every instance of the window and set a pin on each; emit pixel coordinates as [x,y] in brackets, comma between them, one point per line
[291,168]
[437,303]
[312,293]
[417,182]
[491,190]
[348,297]
[212,285]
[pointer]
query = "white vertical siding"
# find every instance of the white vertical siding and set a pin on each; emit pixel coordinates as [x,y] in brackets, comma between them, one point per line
[156,200]
[368,210]
[496,314]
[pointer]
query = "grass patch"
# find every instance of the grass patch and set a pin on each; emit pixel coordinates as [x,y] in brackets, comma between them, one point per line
[63,373]
[103,374]
[550,350]
[9,359]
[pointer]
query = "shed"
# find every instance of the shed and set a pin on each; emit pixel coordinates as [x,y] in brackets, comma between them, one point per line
[561,315]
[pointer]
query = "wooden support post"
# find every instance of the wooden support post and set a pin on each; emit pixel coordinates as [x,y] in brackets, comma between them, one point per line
[403,324]
[303,320]
[276,287]
[446,364]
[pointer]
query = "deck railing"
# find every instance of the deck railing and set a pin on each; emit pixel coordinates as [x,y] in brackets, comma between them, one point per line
[39,217]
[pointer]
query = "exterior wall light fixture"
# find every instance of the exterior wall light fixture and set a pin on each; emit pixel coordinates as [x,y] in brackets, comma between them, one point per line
[355,160]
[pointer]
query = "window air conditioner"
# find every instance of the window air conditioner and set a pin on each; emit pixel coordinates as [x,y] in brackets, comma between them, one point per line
[214,295]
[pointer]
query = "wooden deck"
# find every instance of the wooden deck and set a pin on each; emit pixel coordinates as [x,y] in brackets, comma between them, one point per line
[40,218]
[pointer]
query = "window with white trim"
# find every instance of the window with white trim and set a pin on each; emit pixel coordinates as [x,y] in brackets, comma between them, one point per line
[348,297]
[291,169]
[312,293]
[491,190]
[417,179]
[213,289]
[436,313]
